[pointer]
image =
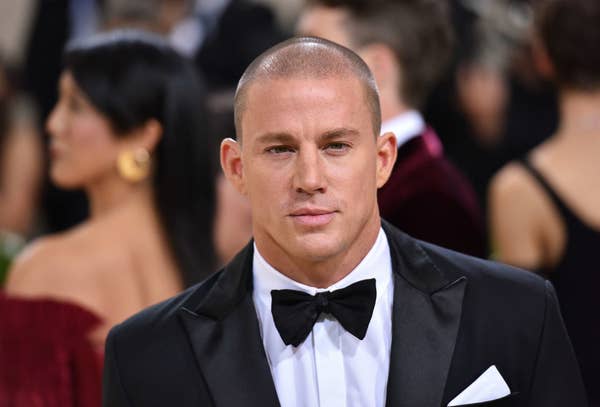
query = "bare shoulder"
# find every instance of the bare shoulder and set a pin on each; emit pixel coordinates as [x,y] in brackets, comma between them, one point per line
[66,265]
[36,266]
[514,188]
[512,181]
[518,213]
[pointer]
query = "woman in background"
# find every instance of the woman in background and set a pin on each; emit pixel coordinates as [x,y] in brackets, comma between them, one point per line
[129,129]
[545,209]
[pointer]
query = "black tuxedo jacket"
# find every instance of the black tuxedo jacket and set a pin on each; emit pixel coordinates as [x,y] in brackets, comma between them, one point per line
[453,317]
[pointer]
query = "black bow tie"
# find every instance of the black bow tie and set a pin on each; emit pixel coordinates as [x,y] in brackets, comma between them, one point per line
[295,312]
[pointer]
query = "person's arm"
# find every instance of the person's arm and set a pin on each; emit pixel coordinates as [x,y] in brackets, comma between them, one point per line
[113,391]
[513,216]
[556,379]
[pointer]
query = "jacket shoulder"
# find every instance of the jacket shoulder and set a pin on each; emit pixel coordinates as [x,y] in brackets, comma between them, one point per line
[484,272]
[505,293]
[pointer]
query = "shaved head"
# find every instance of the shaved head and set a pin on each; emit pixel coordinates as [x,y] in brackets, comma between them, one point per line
[307,58]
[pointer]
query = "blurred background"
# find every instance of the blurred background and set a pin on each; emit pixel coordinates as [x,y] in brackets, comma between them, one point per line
[492,104]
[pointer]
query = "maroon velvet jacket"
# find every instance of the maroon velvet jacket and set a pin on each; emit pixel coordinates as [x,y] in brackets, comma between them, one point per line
[428,198]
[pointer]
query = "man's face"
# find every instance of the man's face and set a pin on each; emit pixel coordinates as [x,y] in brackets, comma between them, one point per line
[310,165]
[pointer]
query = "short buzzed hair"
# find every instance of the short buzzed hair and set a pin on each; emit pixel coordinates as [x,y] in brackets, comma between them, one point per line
[307,57]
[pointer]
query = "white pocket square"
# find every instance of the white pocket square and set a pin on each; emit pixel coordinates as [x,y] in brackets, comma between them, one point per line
[489,386]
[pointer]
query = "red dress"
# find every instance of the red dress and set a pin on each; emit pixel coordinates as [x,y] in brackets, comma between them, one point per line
[46,358]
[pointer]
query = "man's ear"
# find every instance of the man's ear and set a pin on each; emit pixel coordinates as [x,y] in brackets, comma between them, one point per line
[387,151]
[231,163]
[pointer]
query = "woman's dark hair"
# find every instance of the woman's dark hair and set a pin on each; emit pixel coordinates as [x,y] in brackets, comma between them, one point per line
[132,77]
[570,32]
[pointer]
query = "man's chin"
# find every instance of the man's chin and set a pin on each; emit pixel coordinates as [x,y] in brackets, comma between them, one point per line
[318,248]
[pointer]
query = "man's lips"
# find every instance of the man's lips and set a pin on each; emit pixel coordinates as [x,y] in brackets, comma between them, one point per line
[312,216]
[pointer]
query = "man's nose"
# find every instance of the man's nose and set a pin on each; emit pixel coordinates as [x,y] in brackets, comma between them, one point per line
[309,174]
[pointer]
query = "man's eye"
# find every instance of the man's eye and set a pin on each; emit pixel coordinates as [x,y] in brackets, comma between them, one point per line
[280,149]
[337,146]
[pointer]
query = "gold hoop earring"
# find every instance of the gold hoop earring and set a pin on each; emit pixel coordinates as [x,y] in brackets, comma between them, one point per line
[134,166]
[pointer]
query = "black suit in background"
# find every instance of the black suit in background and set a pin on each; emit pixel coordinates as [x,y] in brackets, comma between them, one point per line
[453,317]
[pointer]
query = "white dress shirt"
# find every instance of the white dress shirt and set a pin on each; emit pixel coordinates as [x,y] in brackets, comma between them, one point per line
[405,126]
[331,367]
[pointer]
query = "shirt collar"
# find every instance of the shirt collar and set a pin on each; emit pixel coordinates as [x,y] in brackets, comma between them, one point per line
[405,126]
[376,264]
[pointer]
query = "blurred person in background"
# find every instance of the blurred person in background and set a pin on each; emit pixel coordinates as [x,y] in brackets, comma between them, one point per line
[406,45]
[20,158]
[233,33]
[222,36]
[21,167]
[129,128]
[53,24]
[233,220]
[492,104]
[545,208]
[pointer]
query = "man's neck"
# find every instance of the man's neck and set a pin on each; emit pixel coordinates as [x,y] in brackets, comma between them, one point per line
[319,273]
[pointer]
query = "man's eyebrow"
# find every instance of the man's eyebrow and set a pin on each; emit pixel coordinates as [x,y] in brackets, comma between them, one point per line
[341,132]
[268,138]
[286,138]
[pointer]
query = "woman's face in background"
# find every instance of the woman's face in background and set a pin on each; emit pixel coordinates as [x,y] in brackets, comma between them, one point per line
[83,146]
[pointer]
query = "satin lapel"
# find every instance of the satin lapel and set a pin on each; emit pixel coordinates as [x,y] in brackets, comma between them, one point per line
[426,317]
[224,334]
[423,335]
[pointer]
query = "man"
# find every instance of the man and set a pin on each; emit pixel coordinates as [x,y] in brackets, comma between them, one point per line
[325,307]
[406,45]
